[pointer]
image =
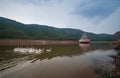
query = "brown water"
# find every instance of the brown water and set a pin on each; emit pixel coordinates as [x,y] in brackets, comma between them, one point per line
[64,61]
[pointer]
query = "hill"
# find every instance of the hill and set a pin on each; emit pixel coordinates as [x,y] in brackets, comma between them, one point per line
[10,29]
[117,35]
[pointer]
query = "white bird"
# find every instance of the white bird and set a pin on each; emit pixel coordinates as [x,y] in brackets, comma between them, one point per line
[15,49]
[37,52]
[48,50]
[41,50]
[23,50]
[29,50]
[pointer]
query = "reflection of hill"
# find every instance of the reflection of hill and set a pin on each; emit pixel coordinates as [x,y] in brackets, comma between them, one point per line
[7,54]
[100,46]
[57,50]
[70,50]
[8,58]
[64,50]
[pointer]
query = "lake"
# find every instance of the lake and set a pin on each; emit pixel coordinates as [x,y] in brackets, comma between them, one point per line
[62,61]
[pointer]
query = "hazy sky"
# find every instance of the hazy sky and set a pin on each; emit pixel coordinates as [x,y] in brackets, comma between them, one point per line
[98,16]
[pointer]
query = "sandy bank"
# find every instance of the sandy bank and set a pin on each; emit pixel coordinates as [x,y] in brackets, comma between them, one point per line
[36,42]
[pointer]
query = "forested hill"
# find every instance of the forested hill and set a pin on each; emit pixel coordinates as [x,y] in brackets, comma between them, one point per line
[10,29]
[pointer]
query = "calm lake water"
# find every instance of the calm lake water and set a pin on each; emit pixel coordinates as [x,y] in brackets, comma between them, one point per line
[63,61]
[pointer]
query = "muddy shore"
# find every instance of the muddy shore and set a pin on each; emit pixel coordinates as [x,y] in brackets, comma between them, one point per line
[36,42]
[116,44]
[47,42]
[116,71]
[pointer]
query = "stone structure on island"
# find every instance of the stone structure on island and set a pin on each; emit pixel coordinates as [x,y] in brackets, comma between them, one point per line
[84,39]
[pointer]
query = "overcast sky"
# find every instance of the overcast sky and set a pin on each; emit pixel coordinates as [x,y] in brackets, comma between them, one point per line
[98,16]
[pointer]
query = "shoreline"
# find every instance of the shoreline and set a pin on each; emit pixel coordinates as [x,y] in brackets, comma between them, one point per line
[116,44]
[5,42]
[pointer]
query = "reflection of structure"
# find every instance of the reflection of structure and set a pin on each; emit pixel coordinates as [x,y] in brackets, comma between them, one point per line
[84,47]
[84,39]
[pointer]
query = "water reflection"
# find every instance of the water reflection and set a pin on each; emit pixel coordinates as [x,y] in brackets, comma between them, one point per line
[12,55]
[64,61]
[84,47]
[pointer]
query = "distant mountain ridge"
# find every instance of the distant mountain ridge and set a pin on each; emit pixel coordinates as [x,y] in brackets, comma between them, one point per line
[10,29]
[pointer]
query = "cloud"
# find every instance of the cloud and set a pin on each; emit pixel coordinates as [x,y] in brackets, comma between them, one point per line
[110,24]
[88,15]
[101,8]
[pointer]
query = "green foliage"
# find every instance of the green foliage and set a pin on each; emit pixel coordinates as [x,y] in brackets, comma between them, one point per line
[16,30]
